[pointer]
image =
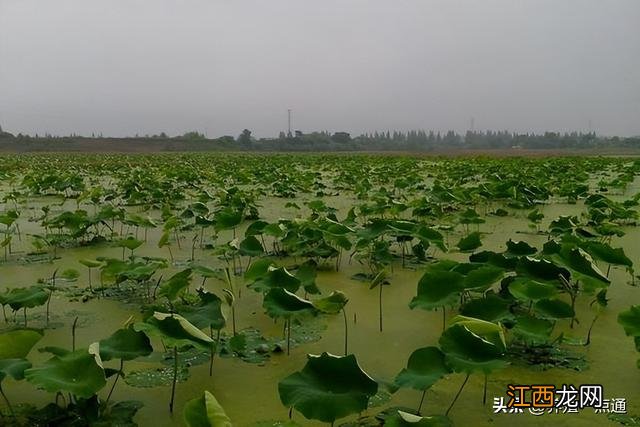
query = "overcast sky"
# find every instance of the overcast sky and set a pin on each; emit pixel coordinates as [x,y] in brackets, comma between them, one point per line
[125,67]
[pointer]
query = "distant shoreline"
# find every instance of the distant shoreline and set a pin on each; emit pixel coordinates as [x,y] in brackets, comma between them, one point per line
[133,146]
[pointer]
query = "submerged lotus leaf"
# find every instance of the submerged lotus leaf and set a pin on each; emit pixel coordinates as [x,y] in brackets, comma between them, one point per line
[328,388]
[533,329]
[125,344]
[425,367]
[205,411]
[279,302]
[175,331]
[437,288]
[79,373]
[553,309]
[331,304]
[630,321]
[17,343]
[156,377]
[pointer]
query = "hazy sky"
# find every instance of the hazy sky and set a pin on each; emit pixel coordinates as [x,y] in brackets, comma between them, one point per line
[121,67]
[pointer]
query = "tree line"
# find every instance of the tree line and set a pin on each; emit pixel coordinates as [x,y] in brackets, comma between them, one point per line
[414,140]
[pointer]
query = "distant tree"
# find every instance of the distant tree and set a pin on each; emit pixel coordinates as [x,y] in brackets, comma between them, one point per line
[341,137]
[194,136]
[245,138]
[226,141]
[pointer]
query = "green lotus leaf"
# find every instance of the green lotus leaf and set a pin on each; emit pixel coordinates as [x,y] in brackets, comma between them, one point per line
[429,235]
[629,319]
[580,261]
[541,269]
[489,331]
[491,308]
[227,218]
[125,344]
[551,247]
[251,246]
[257,269]
[278,277]
[470,242]
[130,243]
[17,343]
[335,228]
[328,388]
[307,273]
[437,288]
[13,368]
[205,411]
[493,258]
[91,263]
[469,352]
[256,228]
[553,309]
[331,304]
[606,253]
[482,278]
[19,298]
[176,284]
[207,314]
[380,279]
[175,331]
[79,373]
[279,302]
[526,289]
[520,248]
[425,367]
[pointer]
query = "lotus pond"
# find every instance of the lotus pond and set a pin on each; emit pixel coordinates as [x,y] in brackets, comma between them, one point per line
[285,290]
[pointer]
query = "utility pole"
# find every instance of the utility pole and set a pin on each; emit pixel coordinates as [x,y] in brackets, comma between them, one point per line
[289,122]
